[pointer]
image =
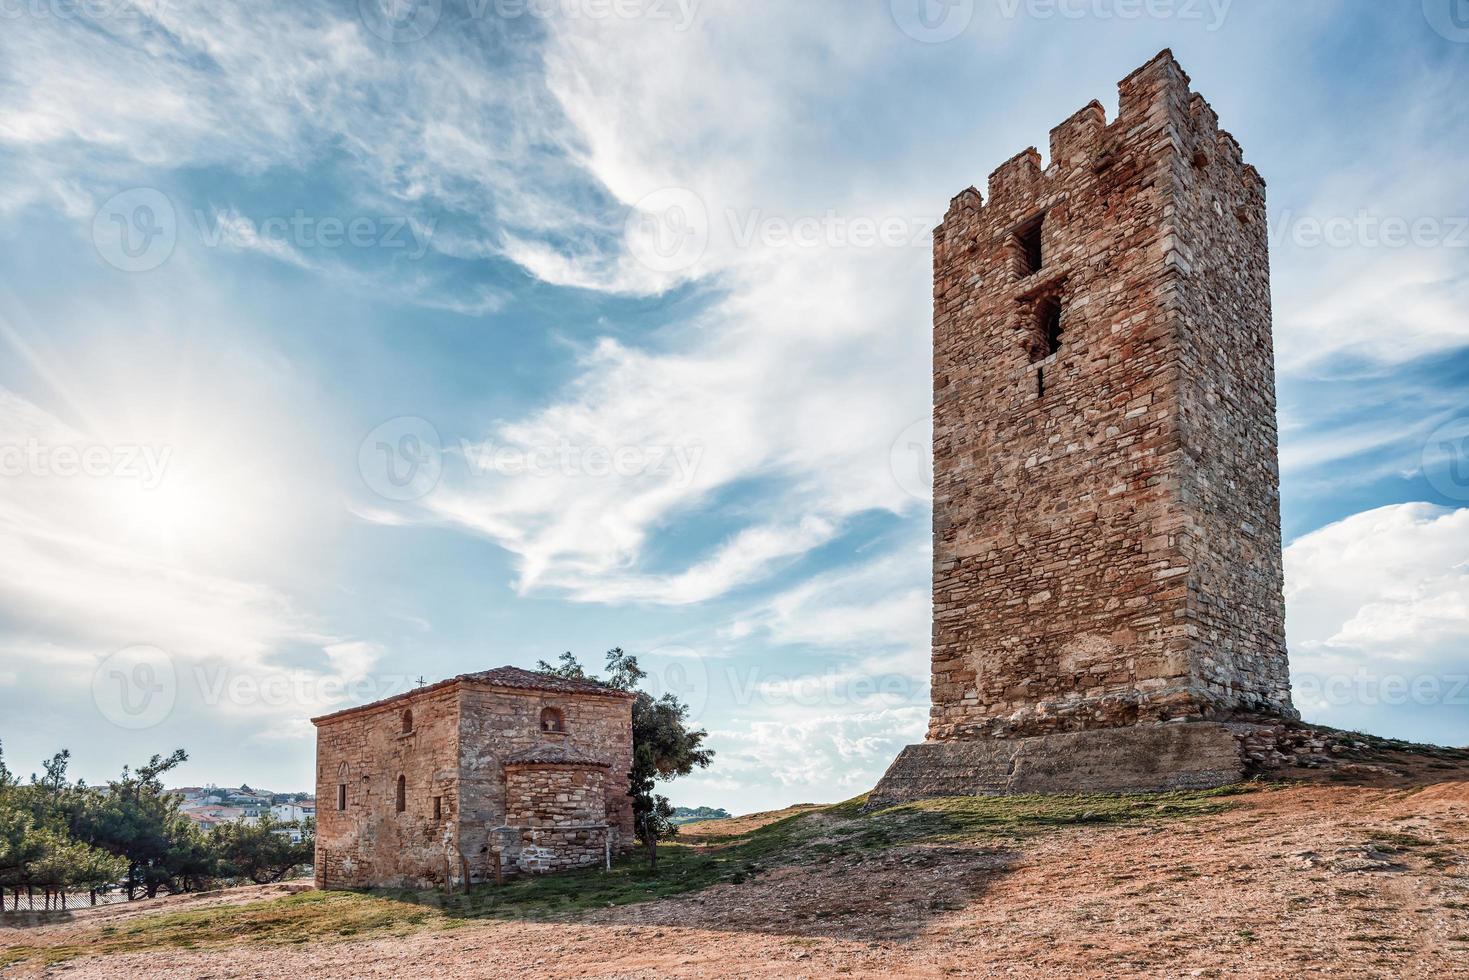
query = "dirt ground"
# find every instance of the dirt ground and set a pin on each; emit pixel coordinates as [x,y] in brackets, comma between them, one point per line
[1313,880]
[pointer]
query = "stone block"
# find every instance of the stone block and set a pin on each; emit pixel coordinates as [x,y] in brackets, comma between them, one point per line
[1137,759]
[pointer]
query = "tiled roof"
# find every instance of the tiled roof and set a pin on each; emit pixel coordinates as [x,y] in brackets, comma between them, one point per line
[511,677]
[552,754]
[530,680]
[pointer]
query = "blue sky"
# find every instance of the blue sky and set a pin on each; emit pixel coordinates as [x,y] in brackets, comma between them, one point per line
[341,346]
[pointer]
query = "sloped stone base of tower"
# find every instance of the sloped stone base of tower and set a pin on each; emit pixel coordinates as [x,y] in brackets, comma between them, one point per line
[1142,759]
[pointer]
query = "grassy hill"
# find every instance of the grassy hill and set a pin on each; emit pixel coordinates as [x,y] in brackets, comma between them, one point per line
[1242,881]
[705,854]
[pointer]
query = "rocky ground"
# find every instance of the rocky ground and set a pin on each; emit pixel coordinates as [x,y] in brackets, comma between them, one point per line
[1362,874]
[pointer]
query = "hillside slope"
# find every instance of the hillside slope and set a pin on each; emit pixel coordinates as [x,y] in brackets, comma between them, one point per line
[1368,877]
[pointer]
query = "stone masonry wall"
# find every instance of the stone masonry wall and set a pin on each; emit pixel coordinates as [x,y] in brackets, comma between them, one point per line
[1231,476]
[497,724]
[1106,532]
[370,843]
[561,814]
[555,796]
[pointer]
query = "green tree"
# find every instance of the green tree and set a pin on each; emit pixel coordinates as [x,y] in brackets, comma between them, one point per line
[62,864]
[138,820]
[36,849]
[260,851]
[664,746]
[566,666]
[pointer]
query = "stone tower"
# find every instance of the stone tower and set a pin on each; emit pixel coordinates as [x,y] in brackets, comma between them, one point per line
[1106,492]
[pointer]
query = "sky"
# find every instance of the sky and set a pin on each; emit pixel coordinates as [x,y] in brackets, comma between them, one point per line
[344,344]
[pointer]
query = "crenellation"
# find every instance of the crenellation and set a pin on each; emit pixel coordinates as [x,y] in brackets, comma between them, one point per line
[1015,177]
[968,199]
[1156,94]
[1078,139]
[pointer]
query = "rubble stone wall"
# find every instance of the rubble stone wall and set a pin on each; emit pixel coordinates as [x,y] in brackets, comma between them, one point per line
[371,843]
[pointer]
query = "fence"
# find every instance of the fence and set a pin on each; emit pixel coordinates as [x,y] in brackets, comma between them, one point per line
[30,898]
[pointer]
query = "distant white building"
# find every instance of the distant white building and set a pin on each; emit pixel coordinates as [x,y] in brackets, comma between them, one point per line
[291,812]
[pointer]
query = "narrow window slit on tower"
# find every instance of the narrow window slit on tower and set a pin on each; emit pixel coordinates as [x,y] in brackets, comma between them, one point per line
[1040,382]
[341,796]
[1032,258]
[1046,328]
[402,800]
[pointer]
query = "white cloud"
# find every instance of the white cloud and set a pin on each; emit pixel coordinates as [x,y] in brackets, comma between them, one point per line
[822,753]
[1366,263]
[799,375]
[884,602]
[461,125]
[1378,619]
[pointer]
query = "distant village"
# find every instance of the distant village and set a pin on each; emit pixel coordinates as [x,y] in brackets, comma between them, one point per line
[208,807]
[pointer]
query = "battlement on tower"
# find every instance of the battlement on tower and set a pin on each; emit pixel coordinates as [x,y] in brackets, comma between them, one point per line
[1158,112]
